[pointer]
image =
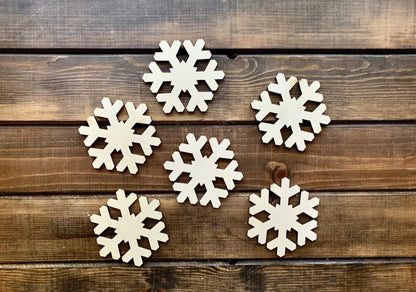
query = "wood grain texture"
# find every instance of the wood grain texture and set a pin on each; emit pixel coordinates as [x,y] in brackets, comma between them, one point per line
[353,276]
[223,24]
[349,225]
[41,159]
[67,88]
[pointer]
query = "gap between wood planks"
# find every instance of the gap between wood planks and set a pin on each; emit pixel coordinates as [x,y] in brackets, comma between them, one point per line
[230,53]
[211,263]
[158,195]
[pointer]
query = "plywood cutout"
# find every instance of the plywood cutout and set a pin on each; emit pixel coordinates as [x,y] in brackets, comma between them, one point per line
[203,170]
[129,228]
[290,112]
[119,136]
[282,217]
[183,76]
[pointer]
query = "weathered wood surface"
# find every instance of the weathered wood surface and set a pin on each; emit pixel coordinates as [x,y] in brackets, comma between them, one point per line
[40,159]
[314,276]
[54,229]
[223,24]
[67,88]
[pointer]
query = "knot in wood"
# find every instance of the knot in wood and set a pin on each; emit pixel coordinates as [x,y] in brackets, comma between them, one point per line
[277,170]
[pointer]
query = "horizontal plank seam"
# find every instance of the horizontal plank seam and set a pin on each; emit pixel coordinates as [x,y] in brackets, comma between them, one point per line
[230,53]
[277,262]
[103,195]
[338,123]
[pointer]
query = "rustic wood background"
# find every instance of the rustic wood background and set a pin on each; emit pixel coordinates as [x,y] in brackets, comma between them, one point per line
[59,58]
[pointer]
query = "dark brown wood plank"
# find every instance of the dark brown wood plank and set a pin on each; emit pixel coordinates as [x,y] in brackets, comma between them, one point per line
[223,24]
[55,229]
[51,88]
[350,276]
[54,159]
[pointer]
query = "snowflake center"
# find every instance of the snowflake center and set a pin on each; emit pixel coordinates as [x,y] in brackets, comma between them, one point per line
[119,136]
[290,112]
[183,76]
[129,228]
[283,217]
[203,170]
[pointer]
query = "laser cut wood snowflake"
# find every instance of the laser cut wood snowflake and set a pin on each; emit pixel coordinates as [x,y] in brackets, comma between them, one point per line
[129,228]
[290,112]
[183,76]
[203,170]
[283,217]
[119,136]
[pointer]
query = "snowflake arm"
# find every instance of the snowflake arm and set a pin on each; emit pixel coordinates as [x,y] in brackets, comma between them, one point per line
[168,52]
[194,146]
[186,191]
[283,86]
[265,106]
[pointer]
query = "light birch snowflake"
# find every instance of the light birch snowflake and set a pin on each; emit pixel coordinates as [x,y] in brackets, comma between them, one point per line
[129,228]
[183,76]
[290,112]
[283,217]
[203,170]
[119,136]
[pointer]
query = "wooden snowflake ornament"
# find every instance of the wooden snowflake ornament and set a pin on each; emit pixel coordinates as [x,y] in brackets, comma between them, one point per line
[183,76]
[129,228]
[203,170]
[119,136]
[290,112]
[283,217]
